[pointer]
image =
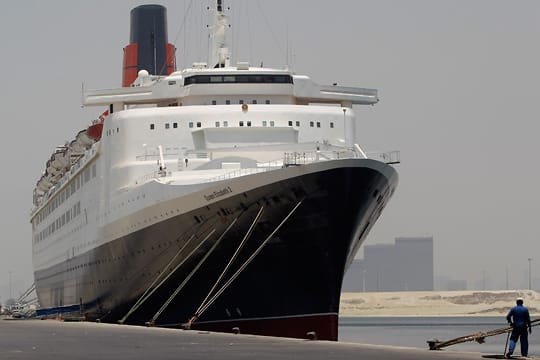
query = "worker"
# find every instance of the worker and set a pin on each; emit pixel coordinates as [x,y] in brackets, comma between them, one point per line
[519,319]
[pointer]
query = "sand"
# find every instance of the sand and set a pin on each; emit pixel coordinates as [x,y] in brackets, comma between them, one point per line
[437,303]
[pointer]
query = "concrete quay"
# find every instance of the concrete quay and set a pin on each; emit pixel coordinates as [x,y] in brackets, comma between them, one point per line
[52,339]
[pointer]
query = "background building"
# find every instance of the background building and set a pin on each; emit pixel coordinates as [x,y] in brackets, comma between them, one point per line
[406,265]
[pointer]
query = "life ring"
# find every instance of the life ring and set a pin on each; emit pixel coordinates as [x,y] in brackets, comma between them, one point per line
[244,107]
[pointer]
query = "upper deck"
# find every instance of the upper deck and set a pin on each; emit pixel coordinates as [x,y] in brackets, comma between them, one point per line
[195,86]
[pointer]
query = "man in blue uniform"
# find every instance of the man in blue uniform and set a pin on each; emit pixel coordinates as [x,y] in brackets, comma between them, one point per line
[519,319]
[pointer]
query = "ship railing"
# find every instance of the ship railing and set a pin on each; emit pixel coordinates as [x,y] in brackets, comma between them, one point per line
[154,155]
[153,175]
[289,159]
[302,158]
[237,173]
[388,157]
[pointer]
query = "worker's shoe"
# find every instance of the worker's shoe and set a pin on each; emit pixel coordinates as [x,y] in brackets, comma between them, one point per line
[508,355]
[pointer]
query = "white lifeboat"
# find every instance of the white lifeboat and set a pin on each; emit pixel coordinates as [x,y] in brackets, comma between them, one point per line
[83,139]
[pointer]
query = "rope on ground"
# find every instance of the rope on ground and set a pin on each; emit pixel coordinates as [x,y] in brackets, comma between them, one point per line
[479,337]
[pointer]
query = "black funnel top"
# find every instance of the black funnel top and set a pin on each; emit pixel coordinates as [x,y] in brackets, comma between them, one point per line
[149,32]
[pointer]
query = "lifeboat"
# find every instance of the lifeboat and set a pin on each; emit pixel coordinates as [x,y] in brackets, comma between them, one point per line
[59,160]
[94,131]
[83,139]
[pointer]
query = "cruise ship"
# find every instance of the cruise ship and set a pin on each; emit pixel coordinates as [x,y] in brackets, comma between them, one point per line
[222,197]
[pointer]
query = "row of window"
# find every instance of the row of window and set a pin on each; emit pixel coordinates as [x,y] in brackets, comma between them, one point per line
[241,102]
[76,183]
[225,123]
[59,222]
[239,79]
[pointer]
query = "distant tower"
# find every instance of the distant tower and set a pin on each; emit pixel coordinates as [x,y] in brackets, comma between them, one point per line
[148,47]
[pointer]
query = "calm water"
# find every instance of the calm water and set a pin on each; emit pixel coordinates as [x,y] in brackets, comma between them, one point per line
[415,331]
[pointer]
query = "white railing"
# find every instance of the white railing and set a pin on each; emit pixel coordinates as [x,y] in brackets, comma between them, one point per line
[289,159]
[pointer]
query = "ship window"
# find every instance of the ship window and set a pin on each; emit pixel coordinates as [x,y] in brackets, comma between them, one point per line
[311,123]
[190,124]
[331,125]
[175,125]
[318,124]
[249,123]
[241,79]
[198,124]
[254,101]
[264,123]
[240,102]
[217,123]
[78,182]
[272,123]
[298,123]
[228,102]
[167,125]
[214,102]
[117,130]
[86,175]
[267,101]
[172,82]
[225,123]
[290,123]
[94,170]
[241,123]
[151,126]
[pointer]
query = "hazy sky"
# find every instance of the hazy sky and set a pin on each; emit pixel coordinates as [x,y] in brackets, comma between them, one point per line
[459,83]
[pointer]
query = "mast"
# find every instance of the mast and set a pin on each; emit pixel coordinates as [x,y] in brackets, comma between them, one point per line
[220,55]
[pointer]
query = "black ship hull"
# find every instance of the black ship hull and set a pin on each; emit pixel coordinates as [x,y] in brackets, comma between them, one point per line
[266,261]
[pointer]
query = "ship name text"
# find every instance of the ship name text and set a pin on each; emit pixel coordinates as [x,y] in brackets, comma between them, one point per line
[218,193]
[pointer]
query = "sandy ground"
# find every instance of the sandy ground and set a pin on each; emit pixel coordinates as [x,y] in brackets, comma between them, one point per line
[437,303]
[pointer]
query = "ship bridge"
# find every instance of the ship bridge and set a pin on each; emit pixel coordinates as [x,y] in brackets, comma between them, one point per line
[200,86]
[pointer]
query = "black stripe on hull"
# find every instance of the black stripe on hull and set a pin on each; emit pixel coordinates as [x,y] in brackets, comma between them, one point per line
[298,272]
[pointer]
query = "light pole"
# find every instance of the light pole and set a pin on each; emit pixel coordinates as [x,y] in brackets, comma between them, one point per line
[530,283]
[11,297]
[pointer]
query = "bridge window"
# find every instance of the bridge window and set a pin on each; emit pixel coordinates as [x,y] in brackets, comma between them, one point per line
[239,79]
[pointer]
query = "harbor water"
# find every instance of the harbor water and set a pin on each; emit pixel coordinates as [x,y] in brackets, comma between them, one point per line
[416,331]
